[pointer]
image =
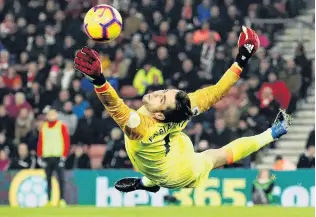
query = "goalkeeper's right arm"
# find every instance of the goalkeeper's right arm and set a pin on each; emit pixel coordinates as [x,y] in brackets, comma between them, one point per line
[134,125]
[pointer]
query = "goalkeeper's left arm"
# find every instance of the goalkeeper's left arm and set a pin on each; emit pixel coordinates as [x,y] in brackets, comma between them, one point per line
[135,125]
[203,99]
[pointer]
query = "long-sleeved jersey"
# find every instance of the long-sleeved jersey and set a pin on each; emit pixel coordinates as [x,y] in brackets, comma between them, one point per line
[161,151]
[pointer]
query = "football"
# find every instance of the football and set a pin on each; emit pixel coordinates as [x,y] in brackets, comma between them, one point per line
[103,23]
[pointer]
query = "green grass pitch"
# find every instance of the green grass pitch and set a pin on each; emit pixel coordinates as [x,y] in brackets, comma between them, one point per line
[158,212]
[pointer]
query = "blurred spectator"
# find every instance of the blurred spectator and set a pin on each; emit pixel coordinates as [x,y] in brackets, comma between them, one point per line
[306,69]
[63,97]
[68,117]
[88,130]
[293,79]
[283,164]
[22,125]
[11,79]
[131,23]
[119,66]
[67,75]
[145,77]
[307,159]
[310,140]
[78,160]
[80,106]
[7,146]
[203,11]
[24,160]
[4,160]
[262,188]
[107,124]
[264,40]
[16,103]
[6,123]
[115,155]
[221,135]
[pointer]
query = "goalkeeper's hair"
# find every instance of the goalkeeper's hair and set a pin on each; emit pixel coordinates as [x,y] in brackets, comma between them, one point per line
[182,110]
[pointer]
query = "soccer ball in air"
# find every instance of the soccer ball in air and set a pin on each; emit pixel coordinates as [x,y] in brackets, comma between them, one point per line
[103,23]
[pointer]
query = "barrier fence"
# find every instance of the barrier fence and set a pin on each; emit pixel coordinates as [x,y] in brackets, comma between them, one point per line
[27,188]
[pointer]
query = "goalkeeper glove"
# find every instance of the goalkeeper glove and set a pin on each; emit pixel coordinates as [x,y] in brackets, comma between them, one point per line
[248,44]
[87,61]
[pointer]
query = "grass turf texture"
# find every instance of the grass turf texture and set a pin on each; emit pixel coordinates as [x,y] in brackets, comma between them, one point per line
[158,212]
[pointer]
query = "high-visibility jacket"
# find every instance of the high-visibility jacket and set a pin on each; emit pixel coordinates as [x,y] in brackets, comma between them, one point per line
[54,140]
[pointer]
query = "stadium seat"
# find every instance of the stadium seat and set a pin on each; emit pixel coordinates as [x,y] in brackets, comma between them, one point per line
[96,153]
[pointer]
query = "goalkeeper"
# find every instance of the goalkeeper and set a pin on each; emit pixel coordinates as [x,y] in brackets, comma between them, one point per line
[154,140]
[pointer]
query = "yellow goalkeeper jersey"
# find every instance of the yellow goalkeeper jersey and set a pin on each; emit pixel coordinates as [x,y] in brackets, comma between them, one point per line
[161,151]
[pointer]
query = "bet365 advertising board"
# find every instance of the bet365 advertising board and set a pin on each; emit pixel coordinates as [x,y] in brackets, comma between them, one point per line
[27,188]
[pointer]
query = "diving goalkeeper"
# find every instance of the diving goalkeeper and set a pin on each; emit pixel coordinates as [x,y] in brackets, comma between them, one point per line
[154,140]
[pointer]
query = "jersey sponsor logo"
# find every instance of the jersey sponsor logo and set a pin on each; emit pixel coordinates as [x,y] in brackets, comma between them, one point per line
[249,47]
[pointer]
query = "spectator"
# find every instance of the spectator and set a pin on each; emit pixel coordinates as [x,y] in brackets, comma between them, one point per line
[203,11]
[293,79]
[120,65]
[12,79]
[310,140]
[16,104]
[68,117]
[262,188]
[264,40]
[63,97]
[307,159]
[283,164]
[6,123]
[78,159]
[107,125]
[24,159]
[88,130]
[4,90]
[208,55]
[4,60]
[80,106]
[4,160]
[116,156]
[7,146]
[23,125]
[76,89]
[67,75]
[131,23]
[221,135]
[145,77]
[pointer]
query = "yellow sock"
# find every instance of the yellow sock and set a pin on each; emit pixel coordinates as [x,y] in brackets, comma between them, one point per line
[147,182]
[241,148]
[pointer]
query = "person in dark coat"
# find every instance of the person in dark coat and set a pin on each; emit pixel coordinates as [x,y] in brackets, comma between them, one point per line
[24,159]
[78,160]
[307,159]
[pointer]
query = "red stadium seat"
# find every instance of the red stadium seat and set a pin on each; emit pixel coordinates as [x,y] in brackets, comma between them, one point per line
[96,153]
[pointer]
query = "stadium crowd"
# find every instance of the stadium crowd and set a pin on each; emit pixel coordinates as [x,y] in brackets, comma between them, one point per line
[165,44]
